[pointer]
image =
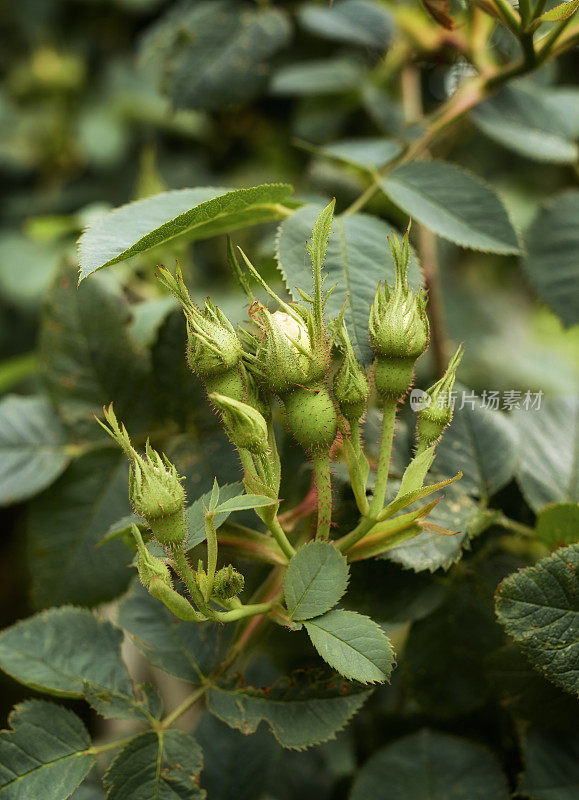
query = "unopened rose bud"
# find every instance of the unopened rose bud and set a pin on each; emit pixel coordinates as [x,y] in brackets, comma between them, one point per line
[245,425]
[148,565]
[155,487]
[311,417]
[284,356]
[350,382]
[228,583]
[213,344]
[436,415]
[398,323]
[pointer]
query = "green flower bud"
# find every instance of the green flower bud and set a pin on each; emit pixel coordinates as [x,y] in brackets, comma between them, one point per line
[437,414]
[155,487]
[398,323]
[148,565]
[245,425]
[350,382]
[228,583]
[213,344]
[311,417]
[393,377]
[284,356]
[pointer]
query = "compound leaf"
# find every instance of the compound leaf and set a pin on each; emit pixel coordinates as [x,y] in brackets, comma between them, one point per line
[57,650]
[353,645]
[185,649]
[551,262]
[45,754]
[454,204]
[191,213]
[299,712]
[315,580]
[539,607]
[431,766]
[163,766]
[33,451]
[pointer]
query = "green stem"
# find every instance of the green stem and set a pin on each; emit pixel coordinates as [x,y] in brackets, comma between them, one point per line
[517,527]
[539,8]
[525,11]
[324,487]
[388,422]
[244,611]
[547,43]
[212,548]
[349,540]
[189,701]
[96,749]
[355,458]
[509,15]
[278,534]
[188,575]
[247,543]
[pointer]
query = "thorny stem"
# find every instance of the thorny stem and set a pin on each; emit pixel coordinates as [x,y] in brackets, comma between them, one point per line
[324,487]
[388,422]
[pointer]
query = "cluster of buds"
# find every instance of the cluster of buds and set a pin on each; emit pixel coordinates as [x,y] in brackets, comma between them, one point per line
[398,327]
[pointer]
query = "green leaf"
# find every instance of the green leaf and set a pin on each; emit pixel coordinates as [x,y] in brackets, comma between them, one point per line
[431,766]
[299,712]
[526,695]
[327,76]
[551,264]
[360,22]
[66,523]
[216,53]
[88,354]
[539,608]
[416,471]
[560,12]
[443,666]
[365,152]
[185,649]
[431,551]
[551,766]
[548,459]
[353,645]
[244,502]
[558,524]
[195,514]
[454,204]
[522,118]
[480,442]
[26,284]
[33,450]
[234,765]
[112,705]
[358,257]
[45,755]
[56,650]
[315,580]
[163,766]
[189,213]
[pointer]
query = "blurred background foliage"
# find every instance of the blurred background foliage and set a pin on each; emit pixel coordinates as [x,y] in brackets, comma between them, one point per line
[106,101]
